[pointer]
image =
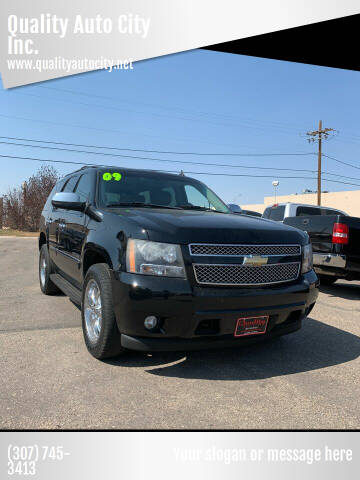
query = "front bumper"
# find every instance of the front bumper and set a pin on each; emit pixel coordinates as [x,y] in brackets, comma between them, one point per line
[184,309]
[147,344]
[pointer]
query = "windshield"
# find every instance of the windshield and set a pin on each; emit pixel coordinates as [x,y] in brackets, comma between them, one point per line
[119,187]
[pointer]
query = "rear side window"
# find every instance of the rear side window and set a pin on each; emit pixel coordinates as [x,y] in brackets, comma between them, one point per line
[306,211]
[70,184]
[327,211]
[84,187]
[275,213]
[266,213]
[60,184]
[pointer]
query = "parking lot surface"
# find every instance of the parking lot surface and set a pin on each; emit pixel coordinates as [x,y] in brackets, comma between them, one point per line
[309,379]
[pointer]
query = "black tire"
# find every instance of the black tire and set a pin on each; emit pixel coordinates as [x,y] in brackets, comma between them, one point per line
[46,285]
[108,342]
[327,279]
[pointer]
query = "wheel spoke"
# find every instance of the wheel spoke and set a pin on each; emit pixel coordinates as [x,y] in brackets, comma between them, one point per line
[91,297]
[97,326]
[92,311]
[98,303]
[42,270]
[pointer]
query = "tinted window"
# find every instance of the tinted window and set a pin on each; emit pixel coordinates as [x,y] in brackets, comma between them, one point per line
[70,184]
[306,211]
[57,188]
[48,201]
[84,187]
[327,211]
[276,213]
[266,213]
[60,184]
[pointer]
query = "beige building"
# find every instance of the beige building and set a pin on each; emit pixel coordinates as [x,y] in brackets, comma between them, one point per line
[349,201]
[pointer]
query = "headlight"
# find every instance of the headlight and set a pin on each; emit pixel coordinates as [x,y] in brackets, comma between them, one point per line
[154,258]
[307,258]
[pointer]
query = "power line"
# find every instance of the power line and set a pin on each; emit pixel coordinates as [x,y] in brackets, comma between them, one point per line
[50,122]
[340,161]
[50,160]
[161,115]
[157,159]
[176,171]
[225,116]
[225,154]
[271,176]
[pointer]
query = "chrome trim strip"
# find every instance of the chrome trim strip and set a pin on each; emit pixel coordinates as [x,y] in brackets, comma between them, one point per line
[329,260]
[241,265]
[67,255]
[241,245]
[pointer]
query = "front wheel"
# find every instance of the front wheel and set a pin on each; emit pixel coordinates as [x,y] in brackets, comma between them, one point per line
[101,334]
[45,269]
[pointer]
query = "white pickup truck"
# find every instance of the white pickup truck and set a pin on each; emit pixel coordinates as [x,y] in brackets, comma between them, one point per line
[279,211]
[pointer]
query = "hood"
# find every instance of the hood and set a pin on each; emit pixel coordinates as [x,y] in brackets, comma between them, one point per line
[188,226]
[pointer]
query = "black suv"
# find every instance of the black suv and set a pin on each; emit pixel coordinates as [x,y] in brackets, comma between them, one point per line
[158,262]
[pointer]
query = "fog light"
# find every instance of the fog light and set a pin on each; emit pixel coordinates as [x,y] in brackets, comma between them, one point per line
[151,322]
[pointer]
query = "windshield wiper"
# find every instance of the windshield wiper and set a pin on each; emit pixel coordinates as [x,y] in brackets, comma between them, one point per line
[154,205]
[139,204]
[198,207]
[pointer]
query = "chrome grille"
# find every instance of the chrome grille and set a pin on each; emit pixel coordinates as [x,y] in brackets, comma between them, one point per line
[240,250]
[245,274]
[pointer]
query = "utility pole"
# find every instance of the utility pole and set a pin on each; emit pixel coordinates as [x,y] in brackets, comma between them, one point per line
[319,166]
[318,136]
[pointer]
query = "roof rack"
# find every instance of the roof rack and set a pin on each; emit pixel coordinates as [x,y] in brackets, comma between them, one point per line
[181,173]
[89,166]
[83,168]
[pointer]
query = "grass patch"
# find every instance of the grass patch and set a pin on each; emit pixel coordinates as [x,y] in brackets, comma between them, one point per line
[17,233]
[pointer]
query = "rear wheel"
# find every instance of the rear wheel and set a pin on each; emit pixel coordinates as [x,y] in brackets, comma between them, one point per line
[327,279]
[45,269]
[100,330]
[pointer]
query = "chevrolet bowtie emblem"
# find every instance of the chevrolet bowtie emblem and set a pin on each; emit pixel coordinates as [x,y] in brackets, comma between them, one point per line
[255,260]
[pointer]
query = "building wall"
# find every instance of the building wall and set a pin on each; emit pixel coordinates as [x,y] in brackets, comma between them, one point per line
[349,201]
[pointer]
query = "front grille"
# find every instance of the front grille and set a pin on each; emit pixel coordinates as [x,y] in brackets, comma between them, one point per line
[240,250]
[246,274]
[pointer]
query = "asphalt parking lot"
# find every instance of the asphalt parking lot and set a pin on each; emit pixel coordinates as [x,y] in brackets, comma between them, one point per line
[309,379]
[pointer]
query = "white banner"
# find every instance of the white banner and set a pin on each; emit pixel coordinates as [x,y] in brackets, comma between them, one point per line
[43,40]
[179,455]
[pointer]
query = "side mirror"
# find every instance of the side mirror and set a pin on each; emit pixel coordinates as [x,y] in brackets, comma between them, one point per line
[68,201]
[235,208]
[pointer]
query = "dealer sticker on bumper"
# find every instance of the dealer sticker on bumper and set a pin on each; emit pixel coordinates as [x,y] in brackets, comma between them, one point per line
[251,326]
